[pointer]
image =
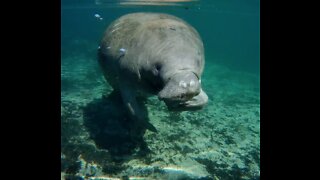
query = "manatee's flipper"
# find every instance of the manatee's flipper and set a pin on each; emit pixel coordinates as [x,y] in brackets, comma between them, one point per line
[137,110]
[150,127]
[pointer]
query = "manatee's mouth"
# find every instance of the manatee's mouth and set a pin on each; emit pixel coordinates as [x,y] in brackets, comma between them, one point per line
[193,104]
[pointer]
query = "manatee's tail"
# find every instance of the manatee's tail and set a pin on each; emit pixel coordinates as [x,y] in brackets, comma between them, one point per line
[150,127]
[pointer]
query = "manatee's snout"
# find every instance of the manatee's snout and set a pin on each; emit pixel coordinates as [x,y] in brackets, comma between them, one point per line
[180,87]
[183,92]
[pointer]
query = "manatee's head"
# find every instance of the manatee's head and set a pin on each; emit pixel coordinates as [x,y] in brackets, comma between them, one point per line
[183,92]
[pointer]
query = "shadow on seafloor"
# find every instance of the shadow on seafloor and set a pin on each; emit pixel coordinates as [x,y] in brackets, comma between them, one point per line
[110,126]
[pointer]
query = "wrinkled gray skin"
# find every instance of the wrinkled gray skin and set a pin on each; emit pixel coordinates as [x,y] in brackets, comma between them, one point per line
[154,54]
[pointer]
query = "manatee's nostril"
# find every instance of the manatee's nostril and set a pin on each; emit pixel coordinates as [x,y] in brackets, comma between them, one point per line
[192,83]
[183,84]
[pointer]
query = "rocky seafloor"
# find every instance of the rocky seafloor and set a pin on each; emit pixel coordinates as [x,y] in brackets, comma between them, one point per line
[222,141]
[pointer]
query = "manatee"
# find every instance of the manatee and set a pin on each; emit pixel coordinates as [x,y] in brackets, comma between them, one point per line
[144,54]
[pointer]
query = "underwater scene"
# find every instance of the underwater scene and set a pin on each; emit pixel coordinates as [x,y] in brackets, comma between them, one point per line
[171,90]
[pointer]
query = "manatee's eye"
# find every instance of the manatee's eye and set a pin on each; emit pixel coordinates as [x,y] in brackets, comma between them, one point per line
[156,69]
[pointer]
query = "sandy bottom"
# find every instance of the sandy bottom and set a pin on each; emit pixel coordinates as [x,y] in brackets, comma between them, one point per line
[222,141]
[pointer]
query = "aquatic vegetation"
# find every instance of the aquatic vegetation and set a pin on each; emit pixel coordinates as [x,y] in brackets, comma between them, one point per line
[220,142]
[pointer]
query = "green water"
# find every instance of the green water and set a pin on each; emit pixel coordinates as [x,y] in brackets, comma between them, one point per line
[221,141]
